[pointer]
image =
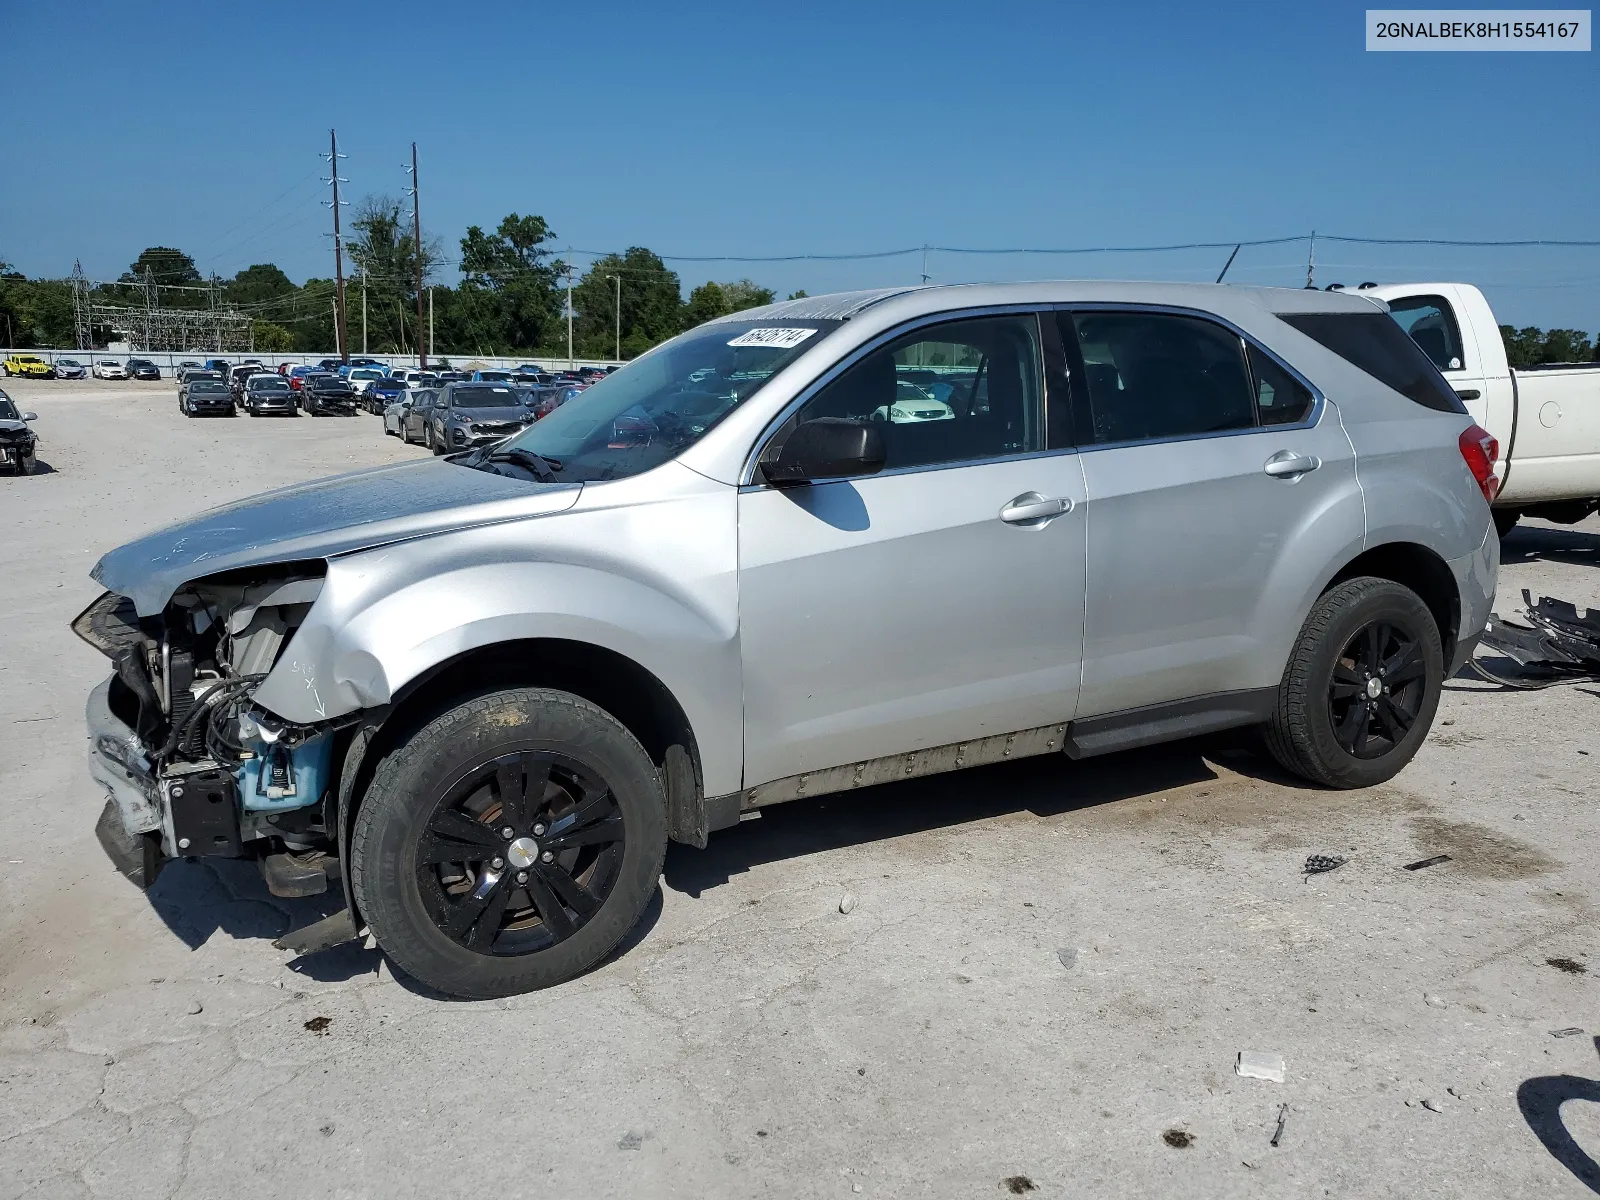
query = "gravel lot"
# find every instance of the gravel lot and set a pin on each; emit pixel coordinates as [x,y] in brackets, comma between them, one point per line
[1043,984]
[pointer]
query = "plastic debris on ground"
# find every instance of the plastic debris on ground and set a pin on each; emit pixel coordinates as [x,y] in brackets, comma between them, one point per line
[1257,1064]
[1321,864]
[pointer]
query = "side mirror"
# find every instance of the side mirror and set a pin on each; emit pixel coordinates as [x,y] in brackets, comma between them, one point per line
[30,416]
[825,448]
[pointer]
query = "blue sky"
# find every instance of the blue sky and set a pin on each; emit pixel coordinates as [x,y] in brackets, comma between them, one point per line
[760,129]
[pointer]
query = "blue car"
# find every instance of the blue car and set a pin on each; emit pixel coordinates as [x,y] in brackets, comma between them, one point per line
[381,393]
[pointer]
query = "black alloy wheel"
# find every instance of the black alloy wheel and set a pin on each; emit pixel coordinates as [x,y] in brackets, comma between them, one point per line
[520,853]
[1377,689]
[1361,687]
[509,843]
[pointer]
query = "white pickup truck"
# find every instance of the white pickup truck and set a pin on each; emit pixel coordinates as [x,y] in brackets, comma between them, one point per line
[1546,418]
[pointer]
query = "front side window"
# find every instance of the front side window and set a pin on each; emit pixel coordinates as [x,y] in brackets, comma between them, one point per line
[1431,322]
[958,392]
[659,405]
[1157,375]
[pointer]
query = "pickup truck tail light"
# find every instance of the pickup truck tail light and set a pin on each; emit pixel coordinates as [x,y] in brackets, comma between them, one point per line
[1479,449]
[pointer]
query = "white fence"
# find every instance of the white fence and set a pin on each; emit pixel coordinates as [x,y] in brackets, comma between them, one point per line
[169,361]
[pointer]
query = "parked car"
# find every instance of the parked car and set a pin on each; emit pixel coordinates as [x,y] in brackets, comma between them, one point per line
[18,444]
[297,376]
[1546,419]
[70,368]
[206,396]
[491,376]
[327,396]
[380,393]
[415,416]
[109,368]
[394,414]
[464,415]
[142,368]
[219,365]
[194,377]
[453,377]
[183,369]
[330,364]
[29,366]
[545,400]
[679,602]
[360,378]
[266,394]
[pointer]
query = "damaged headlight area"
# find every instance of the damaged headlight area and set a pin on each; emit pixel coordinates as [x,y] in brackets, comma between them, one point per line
[191,766]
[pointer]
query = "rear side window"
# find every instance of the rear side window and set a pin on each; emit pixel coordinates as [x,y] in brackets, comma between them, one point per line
[1154,376]
[1376,343]
[1431,322]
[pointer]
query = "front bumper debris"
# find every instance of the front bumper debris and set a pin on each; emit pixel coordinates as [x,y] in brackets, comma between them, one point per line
[129,829]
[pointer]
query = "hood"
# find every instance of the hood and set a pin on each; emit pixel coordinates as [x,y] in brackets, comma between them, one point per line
[321,519]
[495,413]
[10,426]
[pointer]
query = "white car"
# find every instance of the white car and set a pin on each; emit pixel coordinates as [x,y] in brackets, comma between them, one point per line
[912,406]
[110,368]
[361,378]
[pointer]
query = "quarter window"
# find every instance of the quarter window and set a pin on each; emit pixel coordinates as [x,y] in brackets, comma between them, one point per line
[1281,399]
[958,392]
[1156,375]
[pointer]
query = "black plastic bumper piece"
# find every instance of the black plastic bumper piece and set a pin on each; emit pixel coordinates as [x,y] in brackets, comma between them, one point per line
[136,856]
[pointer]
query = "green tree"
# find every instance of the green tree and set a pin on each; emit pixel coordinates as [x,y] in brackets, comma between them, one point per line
[167,267]
[744,293]
[36,312]
[259,284]
[800,295]
[271,338]
[383,247]
[652,304]
[1531,347]
[706,303]
[509,288]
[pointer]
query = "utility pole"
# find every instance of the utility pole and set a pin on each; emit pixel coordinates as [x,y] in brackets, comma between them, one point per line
[363,310]
[1311,262]
[338,249]
[925,275]
[618,280]
[149,307]
[416,237]
[569,308]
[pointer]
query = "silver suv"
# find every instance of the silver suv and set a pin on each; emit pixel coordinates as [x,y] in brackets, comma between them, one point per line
[803,549]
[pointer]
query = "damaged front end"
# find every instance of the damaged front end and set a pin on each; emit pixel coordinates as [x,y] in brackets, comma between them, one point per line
[192,767]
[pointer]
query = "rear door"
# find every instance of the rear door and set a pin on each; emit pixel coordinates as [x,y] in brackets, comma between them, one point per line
[936,602]
[1219,488]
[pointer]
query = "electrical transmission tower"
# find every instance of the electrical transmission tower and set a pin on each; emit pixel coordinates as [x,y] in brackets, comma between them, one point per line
[83,332]
[333,156]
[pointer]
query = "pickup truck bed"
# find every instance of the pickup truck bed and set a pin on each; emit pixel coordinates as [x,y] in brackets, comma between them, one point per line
[1546,418]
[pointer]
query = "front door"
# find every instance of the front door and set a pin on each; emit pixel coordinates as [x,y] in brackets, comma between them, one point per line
[936,602]
[1217,493]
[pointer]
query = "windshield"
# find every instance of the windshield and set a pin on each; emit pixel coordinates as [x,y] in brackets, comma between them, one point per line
[207,385]
[268,384]
[657,407]
[8,411]
[363,374]
[483,397]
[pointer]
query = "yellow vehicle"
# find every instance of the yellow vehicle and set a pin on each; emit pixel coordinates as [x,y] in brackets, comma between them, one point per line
[28,366]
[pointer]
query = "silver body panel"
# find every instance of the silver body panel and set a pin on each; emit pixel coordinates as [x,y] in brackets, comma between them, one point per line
[810,630]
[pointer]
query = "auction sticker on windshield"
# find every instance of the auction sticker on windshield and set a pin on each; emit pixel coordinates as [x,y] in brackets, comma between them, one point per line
[777,339]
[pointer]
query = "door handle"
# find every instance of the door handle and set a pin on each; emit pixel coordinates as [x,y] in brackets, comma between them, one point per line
[1467,393]
[1032,508]
[1286,464]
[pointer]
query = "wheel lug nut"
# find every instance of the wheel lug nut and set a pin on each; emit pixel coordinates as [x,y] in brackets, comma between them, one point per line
[522,877]
[547,857]
[497,863]
[538,831]
[508,833]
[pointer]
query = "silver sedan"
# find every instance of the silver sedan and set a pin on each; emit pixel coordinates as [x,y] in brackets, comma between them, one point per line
[394,415]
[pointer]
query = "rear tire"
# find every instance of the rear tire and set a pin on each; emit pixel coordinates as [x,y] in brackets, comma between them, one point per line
[1505,520]
[1362,636]
[429,833]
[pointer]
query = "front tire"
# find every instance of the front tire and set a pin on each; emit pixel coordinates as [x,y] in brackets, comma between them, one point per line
[474,913]
[1361,688]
